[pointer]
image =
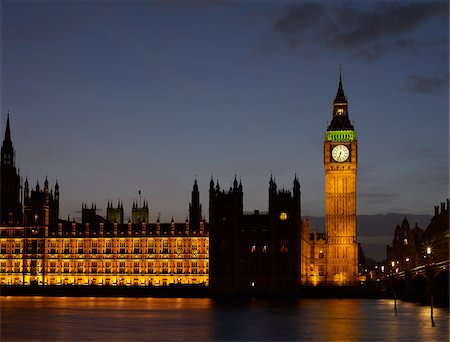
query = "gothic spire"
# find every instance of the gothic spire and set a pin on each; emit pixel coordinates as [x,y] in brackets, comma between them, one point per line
[7,153]
[7,132]
[340,96]
[340,119]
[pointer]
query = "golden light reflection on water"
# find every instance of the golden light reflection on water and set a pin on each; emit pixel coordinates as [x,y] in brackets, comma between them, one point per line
[203,319]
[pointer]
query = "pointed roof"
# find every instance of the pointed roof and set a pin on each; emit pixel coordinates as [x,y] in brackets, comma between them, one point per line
[340,119]
[7,146]
[7,131]
[340,96]
[195,187]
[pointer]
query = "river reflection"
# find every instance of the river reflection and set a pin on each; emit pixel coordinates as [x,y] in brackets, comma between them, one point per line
[202,319]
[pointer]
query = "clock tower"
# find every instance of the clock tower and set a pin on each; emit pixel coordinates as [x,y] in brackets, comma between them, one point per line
[340,163]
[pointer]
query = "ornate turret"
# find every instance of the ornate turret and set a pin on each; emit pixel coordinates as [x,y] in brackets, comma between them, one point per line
[340,119]
[115,215]
[26,190]
[7,147]
[11,208]
[195,208]
[56,191]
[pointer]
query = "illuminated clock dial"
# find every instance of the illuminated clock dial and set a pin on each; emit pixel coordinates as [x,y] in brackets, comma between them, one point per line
[340,153]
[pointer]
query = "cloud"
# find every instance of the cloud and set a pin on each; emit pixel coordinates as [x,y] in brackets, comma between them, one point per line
[366,30]
[424,85]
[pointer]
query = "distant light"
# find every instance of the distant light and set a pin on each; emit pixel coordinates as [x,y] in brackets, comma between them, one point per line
[428,250]
[407,259]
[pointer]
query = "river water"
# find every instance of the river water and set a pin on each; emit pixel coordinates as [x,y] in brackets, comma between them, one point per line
[203,319]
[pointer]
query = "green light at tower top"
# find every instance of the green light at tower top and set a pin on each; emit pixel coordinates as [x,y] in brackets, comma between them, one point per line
[341,136]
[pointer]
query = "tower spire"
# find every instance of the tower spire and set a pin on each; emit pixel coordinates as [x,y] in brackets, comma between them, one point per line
[340,96]
[7,132]
[340,119]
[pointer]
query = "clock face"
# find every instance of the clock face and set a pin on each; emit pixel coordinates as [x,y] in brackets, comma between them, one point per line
[340,153]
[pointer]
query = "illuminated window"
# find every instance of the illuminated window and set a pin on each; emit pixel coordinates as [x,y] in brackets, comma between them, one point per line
[264,249]
[165,246]
[321,270]
[136,246]
[3,248]
[194,267]
[94,247]
[94,267]
[136,267]
[340,111]
[253,249]
[405,241]
[66,267]
[80,247]
[194,246]
[179,246]
[52,266]
[17,247]
[122,247]
[150,267]
[66,247]
[283,216]
[283,246]
[150,246]
[53,247]
[108,246]
[80,267]
[122,267]
[165,267]
[179,267]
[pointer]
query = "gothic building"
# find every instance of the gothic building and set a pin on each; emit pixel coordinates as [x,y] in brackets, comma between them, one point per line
[42,249]
[11,205]
[412,247]
[340,164]
[259,251]
[236,251]
[40,207]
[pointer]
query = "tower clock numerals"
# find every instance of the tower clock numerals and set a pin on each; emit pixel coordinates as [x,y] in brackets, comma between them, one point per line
[340,153]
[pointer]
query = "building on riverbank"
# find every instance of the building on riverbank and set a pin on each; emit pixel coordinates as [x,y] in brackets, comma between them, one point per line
[272,250]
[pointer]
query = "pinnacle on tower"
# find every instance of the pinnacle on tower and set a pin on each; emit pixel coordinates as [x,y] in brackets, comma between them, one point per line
[340,119]
[7,132]
[340,96]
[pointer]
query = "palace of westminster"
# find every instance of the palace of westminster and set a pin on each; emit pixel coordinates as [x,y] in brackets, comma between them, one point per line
[272,250]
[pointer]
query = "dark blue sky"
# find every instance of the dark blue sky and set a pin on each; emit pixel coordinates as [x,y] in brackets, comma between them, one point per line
[113,97]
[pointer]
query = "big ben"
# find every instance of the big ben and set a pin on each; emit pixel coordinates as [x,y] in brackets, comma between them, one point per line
[340,163]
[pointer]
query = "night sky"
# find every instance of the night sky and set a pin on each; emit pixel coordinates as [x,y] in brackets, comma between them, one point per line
[110,98]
